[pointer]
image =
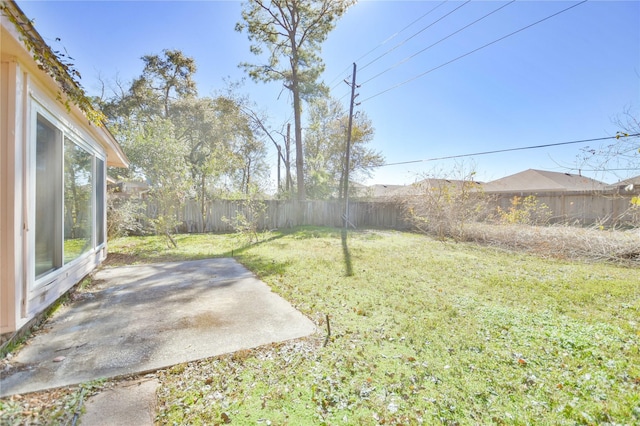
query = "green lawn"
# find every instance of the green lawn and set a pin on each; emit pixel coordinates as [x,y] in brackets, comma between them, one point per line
[421,332]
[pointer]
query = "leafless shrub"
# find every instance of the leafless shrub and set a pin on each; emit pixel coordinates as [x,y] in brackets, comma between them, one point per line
[631,217]
[444,207]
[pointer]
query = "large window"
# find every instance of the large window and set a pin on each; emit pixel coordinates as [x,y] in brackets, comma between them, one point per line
[78,201]
[100,201]
[48,190]
[69,197]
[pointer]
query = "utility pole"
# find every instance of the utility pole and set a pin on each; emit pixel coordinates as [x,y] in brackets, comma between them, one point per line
[279,155]
[348,154]
[287,147]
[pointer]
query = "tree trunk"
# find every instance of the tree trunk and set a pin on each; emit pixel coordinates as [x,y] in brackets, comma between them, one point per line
[202,200]
[289,183]
[297,113]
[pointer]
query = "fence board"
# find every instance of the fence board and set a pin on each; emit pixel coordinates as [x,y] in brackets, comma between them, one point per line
[581,207]
[282,214]
[585,208]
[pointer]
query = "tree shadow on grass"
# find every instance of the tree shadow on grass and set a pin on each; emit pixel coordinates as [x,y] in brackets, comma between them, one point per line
[257,264]
[265,267]
[238,250]
[347,254]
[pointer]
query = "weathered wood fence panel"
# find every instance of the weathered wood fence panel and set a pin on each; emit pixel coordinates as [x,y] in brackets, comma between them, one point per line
[584,208]
[219,215]
[581,207]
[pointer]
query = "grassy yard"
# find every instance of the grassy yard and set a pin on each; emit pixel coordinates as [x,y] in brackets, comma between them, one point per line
[421,332]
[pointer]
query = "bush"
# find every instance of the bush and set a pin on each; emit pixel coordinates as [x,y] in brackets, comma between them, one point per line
[632,215]
[246,222]
[525,211]
[124,216]
[444,208]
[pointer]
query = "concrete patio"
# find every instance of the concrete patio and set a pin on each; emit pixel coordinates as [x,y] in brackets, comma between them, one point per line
[137,319]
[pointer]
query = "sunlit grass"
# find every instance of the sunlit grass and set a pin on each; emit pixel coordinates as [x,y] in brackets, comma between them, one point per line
[421,332]
[135,250]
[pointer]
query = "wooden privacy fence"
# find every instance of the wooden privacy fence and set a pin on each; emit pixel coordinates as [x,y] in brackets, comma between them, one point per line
[219,215]
[583,208]
[610,207]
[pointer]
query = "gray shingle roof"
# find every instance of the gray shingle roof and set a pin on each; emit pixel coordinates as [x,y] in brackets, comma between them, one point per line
[543,181]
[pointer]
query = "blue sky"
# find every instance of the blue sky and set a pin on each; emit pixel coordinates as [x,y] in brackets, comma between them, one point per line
[561,80]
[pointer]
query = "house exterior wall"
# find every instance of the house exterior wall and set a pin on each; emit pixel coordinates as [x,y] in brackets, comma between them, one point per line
[11,205]
[23,295]
[29,98]
[5,221]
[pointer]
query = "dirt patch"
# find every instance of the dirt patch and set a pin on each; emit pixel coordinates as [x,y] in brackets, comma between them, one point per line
[120,259]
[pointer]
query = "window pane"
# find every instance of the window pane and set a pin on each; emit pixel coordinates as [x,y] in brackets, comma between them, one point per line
[78,202]
[48,195]
[100,207]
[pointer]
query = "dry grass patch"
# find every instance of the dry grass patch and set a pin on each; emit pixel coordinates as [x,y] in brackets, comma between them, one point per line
[564,242]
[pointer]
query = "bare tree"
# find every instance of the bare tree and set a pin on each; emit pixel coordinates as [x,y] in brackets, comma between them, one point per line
[624,153]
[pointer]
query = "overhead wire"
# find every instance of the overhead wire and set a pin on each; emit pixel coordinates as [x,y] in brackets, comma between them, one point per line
[402,42]
[388,39]
[473,51]
[414,35]
[398,32]
[496,151]
[438,42]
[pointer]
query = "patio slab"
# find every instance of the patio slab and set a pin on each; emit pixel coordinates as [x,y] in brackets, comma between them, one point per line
[137,319]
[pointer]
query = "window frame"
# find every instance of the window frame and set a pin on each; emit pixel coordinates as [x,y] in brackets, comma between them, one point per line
[57,186]
[66,131]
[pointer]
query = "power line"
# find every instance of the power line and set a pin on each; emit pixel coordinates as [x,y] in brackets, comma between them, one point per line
[449,157]
[437,42]
[414,35]
[388,39]
[397,33]
[472,51]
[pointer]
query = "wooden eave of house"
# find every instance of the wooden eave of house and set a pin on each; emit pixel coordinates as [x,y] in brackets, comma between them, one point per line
[532,180]
[14,49]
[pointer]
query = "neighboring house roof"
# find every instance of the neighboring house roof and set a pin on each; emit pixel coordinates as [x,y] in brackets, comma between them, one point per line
[383,191]
[441,183]
[15,45]
[543,181]
[635,181]
[380,191]
[627,186]
[128,188]
[526,181]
